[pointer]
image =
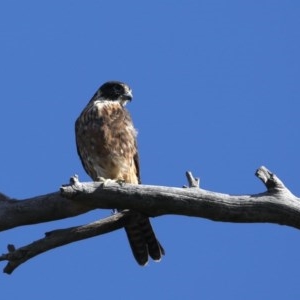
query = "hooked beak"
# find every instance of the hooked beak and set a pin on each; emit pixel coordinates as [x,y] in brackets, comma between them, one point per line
[127,96]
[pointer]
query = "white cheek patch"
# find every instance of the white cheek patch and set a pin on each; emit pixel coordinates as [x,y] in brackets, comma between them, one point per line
[124,102]
[100,103]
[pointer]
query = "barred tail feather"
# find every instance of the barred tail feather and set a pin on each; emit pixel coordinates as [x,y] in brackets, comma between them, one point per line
[143,241]
[156,251]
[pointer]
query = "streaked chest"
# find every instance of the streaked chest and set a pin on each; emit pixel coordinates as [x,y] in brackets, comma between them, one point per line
[107,137]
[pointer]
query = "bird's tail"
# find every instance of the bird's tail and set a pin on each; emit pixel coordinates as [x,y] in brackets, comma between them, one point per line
[143,241]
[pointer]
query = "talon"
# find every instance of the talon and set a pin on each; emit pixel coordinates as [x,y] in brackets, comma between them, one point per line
[101,179]
[121,182]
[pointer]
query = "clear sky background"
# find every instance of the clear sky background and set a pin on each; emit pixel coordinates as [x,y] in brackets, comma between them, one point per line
[216,91]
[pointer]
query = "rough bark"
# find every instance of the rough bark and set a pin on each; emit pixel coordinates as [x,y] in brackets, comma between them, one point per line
[276,205]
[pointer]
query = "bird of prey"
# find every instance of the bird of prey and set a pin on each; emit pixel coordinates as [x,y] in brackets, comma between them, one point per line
[106,144]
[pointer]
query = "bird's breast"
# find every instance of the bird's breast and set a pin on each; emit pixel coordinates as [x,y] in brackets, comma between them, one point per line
[106,140]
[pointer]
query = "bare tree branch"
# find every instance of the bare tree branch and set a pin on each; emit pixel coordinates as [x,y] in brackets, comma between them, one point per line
[193,182]
[39,209]
[57,238]
[276,205]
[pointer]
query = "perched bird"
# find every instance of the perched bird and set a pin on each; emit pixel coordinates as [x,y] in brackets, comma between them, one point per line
[106,144]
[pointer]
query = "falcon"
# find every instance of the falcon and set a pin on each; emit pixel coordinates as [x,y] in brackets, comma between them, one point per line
[107,146]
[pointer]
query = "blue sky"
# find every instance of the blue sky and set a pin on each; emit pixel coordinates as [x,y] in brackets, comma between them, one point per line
[216,91]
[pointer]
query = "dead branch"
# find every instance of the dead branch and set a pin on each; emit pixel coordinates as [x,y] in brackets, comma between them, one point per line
[276,205]
[57,238]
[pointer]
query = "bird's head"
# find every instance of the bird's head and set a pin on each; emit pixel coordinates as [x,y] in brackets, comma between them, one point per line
[114,91]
